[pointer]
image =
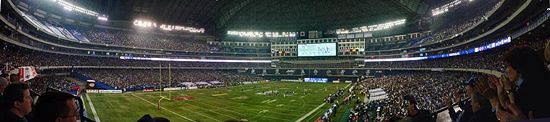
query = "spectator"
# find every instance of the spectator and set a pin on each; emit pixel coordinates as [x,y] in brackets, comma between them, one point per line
[529,76]
[481,108]
[56,107]
[14,78]
[3,84]
[525,78]
[17,103]
[415,114]
[466,108]
[148,118]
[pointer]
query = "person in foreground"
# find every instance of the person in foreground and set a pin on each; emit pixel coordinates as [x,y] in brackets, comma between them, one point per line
[56,107]
[517,95]
[17,103]
[415,114]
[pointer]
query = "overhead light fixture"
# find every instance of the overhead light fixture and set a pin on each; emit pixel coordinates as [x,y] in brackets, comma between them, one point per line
[102,18]
[68,8]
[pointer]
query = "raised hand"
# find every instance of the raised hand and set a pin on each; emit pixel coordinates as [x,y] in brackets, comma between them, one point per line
[482,86]
[496,81]
[512,113]
[448,101]
[507,84]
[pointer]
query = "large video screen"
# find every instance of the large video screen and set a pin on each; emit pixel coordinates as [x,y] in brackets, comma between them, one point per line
[316,80]
[322,49]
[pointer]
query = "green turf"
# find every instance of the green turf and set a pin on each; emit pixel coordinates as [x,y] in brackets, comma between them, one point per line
[219,104]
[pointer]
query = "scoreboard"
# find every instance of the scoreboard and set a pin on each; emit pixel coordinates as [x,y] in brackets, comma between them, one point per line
[316,80]
[320,49]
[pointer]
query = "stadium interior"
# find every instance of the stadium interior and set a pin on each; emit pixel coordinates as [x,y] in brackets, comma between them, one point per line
[274,60]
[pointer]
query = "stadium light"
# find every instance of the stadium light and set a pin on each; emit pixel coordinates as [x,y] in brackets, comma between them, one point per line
[181,28]
[151,24]
[144,23]
[70,7]
[445,8]
[370,28]
[102,18]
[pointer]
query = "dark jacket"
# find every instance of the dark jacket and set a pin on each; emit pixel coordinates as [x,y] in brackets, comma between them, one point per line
[421,116]
[529,98]
[461,116]
[7,116]
[484,115]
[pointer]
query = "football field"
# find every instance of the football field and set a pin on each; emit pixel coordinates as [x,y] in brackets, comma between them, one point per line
[264,102]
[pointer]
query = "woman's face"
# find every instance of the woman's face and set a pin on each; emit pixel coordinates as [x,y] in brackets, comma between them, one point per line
[512,73]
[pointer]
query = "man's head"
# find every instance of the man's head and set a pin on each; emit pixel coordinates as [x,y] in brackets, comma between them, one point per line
[14,78]
[523,62]
[17,99]
[56,106]
[468,85]
[412,108]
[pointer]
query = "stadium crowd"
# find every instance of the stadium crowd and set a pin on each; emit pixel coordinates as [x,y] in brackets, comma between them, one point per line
[144,39]
[138,79]
[451,31]
[42,84]
[491,59]
[510,97]
[109,36]
[25,57]
[455,28]
[331,65]
[429,87]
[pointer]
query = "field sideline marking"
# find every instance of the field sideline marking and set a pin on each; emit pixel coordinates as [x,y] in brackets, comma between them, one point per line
[309,113]
[93,109]
[84,105]
[164,108]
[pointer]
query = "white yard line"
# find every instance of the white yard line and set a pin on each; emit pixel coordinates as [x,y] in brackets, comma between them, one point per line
[164,108]
[87,109]
[309,113]
[303,117]
[93,108]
